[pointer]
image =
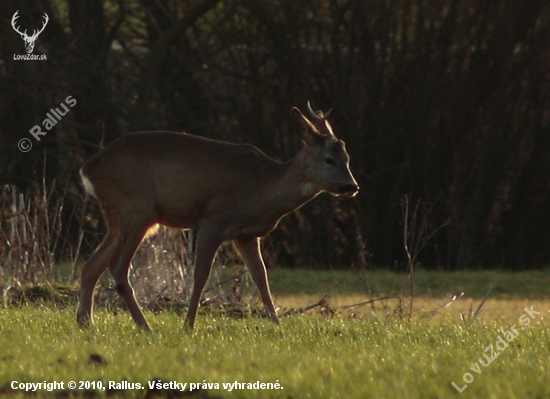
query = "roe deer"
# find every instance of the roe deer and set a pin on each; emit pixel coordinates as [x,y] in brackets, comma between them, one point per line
[225,191]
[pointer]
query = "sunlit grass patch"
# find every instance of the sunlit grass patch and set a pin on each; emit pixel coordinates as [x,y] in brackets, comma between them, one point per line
[310,355]
[367,351]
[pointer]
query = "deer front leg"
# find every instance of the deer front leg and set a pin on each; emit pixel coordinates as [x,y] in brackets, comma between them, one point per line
[249,248]
[207,245]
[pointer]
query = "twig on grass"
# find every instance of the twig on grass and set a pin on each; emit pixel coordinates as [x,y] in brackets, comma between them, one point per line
[356,305]
[214,286]
[322,303]
[417,232]
[472,317]
[452,300]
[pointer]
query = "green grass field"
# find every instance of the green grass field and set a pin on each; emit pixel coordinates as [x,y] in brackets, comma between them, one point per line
[370,351]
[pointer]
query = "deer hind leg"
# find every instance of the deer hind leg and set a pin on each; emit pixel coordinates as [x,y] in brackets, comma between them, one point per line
[249,248]
[92,271]
[207,245]
[129,243]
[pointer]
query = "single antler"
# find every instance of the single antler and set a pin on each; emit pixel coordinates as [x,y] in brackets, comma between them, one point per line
[46,19]
[318,124]
[318,114]
[15,16]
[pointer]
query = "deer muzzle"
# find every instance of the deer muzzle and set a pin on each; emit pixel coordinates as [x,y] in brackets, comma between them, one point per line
[349,190]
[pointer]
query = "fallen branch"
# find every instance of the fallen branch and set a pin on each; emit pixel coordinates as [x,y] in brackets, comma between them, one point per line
[478,310]
[321,303]
[356,305]
[453,299]
[225,281]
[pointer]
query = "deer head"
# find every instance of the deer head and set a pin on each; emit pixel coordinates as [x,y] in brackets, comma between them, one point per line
[29,40]
[327,166]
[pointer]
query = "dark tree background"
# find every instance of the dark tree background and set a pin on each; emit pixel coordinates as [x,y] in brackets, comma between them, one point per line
[445,100]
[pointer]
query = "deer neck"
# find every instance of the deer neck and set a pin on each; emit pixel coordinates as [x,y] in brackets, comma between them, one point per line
[292,190]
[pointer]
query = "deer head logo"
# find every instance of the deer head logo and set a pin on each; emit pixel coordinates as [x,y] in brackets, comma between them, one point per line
[29,40]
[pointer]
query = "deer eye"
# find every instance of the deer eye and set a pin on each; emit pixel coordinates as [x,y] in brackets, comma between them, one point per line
[330,161]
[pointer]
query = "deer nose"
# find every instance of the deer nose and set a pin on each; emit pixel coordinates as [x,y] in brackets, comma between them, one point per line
[349,189]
